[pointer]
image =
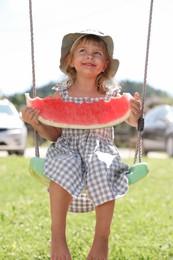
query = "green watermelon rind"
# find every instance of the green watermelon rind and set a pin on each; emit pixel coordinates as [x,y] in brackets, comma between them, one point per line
[79,107]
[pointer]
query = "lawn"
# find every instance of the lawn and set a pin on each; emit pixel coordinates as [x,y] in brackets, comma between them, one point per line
[142,227]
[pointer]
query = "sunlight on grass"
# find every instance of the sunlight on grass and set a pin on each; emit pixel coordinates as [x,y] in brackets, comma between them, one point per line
[142,226]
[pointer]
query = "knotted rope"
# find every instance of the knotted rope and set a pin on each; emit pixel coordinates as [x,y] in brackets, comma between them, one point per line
[138,152]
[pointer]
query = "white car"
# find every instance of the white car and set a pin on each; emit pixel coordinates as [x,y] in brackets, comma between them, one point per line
[158,130]
[13,132]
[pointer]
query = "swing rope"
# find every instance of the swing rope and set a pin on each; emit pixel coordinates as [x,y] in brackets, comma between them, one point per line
[36,136]
[138,152]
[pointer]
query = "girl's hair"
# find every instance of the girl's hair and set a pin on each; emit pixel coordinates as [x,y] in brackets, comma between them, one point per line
[103,77]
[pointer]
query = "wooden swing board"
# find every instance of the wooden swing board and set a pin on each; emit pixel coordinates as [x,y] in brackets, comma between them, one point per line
[36,168]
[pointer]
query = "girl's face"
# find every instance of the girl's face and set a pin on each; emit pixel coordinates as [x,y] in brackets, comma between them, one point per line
[89,58]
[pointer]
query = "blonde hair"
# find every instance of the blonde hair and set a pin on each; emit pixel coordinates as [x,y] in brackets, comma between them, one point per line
[103,77]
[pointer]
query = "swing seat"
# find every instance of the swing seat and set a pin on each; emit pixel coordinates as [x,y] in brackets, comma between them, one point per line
[137,172]
[36,168]
[83,203]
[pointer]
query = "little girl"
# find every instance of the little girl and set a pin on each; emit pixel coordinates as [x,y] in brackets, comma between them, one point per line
[80,158]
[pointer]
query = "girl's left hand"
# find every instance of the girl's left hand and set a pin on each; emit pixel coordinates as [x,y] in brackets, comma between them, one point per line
[136,112]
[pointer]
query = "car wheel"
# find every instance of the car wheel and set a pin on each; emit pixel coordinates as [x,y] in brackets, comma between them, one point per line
[169,146]
[10,152]
[20,153]
[144,152]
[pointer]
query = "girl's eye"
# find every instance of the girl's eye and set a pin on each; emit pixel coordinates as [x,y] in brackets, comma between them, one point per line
[95,53]
[82,50]
[98,53]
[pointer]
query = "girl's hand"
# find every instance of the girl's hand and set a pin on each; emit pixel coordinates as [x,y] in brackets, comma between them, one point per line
[135,107]
[30,116]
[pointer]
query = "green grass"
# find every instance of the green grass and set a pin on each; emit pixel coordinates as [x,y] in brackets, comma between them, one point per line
[142,227]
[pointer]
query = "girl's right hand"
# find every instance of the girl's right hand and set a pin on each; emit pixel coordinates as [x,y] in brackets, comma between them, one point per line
[30,116]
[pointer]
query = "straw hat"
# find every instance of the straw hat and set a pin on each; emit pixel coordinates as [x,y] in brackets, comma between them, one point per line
[69,40]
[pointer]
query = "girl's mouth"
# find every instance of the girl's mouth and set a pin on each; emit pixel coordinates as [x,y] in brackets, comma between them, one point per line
[88,64]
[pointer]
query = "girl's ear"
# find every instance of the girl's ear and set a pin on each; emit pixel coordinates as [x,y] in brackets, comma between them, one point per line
[72,64]
[105,65]
[69,61]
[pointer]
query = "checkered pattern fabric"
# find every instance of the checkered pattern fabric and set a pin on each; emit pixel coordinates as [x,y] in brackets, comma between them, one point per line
[87,159]
[82,204]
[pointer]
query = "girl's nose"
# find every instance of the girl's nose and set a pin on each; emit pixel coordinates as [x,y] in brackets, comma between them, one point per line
[90,56]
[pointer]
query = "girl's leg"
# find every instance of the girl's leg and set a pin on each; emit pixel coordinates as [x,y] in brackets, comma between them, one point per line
[104,215]
[59,203]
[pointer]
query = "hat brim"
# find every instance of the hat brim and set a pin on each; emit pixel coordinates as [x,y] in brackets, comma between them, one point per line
[69,39]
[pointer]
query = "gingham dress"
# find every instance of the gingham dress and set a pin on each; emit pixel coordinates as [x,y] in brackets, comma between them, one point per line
[87,159]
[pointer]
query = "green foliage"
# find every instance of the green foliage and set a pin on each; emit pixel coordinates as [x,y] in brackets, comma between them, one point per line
[141,230]
[132,87]
[44,91]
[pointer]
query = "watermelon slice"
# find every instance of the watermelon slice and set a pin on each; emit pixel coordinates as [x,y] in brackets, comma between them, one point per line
[67,114]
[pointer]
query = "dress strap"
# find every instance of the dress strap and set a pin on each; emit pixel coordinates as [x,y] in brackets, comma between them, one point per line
[113,89]
[110,94]
[62,87]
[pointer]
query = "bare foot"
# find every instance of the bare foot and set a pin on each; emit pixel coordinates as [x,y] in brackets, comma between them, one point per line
[99,249]
[59,250]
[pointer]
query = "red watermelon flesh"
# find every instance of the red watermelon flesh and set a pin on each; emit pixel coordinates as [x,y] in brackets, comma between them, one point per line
[68,114]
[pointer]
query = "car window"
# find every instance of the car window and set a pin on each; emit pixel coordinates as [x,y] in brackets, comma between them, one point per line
[156,116]
[171,115]
[5,109]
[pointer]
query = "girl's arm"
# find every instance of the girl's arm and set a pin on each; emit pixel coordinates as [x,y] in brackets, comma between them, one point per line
[136,113]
